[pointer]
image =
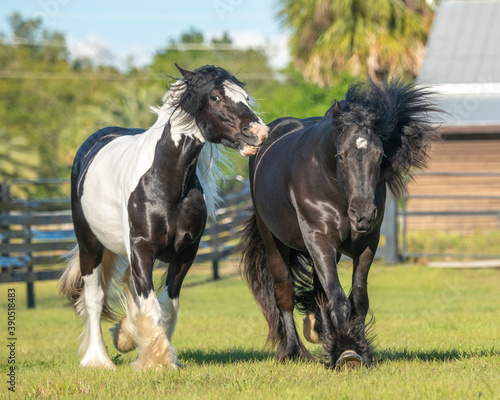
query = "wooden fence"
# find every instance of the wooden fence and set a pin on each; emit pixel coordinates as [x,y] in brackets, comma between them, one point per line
[36,233]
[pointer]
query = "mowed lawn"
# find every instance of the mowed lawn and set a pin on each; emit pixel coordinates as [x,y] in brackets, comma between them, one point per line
[437,337]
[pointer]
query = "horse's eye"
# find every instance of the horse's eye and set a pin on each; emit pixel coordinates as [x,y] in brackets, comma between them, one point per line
[215,98]
[381,158]
[340,157]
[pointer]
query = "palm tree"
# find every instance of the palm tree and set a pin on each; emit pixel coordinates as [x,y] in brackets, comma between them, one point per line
[372,38]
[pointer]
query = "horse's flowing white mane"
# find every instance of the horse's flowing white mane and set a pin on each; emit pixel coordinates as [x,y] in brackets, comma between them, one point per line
[212,158]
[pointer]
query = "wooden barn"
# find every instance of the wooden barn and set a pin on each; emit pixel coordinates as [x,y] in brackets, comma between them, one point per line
[460,191]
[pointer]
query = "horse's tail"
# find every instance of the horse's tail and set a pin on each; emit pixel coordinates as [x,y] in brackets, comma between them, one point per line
[256,273]
[71,283]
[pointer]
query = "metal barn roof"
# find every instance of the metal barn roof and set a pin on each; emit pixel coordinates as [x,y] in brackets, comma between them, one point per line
[462,64]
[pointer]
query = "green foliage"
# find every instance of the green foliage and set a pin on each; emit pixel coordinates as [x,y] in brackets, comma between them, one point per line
[51,104]
[239,62]
[34,107]
[437,338]
[16,157]
[364,37]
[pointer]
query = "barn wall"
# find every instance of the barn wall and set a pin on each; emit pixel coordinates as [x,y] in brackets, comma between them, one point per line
[458,156]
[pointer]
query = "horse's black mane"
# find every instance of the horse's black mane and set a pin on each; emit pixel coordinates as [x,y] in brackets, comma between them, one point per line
[200,83]
[397,112]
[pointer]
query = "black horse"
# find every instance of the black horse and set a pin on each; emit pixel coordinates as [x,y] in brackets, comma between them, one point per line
[138,196]
[319,189]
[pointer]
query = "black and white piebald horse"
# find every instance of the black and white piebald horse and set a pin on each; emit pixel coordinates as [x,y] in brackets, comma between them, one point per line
[139,196]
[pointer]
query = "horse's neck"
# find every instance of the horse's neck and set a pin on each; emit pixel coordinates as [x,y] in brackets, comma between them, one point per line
[180,123]
[174,157]
[327,145]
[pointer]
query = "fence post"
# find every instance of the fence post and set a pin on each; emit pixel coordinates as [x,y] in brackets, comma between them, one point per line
[30,286]
[215,244]
[391,251]
[4,198]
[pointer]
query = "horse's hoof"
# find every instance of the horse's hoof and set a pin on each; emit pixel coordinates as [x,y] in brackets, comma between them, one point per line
[349,359]
[308,328]
[122,337]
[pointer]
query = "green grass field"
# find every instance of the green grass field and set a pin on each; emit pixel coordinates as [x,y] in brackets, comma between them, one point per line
[437,337]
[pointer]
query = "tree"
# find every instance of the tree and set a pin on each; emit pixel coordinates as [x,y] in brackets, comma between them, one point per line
[16,157]
[219,52]
[374,38]
[126,106]
[40,92]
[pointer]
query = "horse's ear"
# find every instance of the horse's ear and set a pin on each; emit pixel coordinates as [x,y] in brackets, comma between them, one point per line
[335,110]
[184,72]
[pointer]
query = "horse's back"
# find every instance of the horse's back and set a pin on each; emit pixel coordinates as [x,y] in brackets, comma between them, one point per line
[97,183]
[282,126]
[282,132]
[95,142]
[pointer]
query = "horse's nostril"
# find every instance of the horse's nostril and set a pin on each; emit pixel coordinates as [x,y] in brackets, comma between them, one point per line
[353,214]
[246,131]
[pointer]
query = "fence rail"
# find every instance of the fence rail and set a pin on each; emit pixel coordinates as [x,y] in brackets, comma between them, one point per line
[447,221]
[36,233]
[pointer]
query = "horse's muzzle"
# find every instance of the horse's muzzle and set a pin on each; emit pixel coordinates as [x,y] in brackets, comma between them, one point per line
[362,221]
[261,132]
[255,134]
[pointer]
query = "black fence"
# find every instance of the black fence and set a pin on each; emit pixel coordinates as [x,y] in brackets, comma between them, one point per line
[36,233]
[458,217]
[36,229]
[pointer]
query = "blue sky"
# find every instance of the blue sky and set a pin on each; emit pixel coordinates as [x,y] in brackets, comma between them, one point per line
[113,30]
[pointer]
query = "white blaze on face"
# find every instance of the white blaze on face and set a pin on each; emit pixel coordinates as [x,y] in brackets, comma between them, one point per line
[236,93]
[361,143]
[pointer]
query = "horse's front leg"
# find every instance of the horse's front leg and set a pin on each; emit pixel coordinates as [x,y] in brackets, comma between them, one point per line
[359,292]
[324,254]
[154,347]
[343,340]
[169,297]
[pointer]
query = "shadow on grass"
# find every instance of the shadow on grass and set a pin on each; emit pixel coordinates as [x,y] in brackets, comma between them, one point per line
[434,355]
[229,356]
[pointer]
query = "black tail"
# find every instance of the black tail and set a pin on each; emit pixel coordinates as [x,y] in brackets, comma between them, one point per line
[258,277]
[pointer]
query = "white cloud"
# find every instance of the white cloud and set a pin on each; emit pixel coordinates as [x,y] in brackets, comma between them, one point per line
[279,52]
[276,47]
[97,49]
[93,48]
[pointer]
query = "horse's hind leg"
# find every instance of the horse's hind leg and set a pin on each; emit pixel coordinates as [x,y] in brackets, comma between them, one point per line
[281,331]
[123,332]
[92,346]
